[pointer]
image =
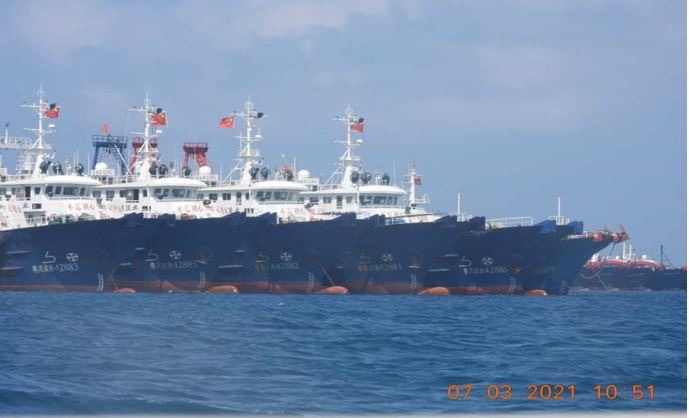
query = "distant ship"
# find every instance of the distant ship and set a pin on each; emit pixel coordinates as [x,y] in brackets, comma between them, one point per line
[631,272]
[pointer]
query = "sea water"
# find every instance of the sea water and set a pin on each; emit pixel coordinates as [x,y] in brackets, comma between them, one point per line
[218,353]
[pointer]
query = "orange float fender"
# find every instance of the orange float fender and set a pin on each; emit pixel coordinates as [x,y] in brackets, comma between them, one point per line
[334,290]
[435,291]
[225,288]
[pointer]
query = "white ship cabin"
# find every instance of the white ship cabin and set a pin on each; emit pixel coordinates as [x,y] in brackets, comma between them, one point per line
[154,197]
[364,199]
[41,191]
[252,188]
[53,198]
[350,189]
[149,188]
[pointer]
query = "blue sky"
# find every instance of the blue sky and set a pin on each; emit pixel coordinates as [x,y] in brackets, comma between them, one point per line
[510,102]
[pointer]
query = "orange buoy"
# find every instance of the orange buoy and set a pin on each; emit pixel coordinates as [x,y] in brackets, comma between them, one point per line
[473,290]
[125,290]
[435,291]
[536,292]
[334,290]
[225,288]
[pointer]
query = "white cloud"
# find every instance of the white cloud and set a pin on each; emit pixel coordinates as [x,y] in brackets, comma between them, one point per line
[523,66]
[57,29]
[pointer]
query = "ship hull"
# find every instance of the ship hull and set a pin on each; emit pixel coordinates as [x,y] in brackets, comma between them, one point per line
[295,257]
[619,278]
[79,256]
[185,254]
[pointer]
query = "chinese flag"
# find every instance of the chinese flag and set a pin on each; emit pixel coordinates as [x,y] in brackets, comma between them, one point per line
[105,129]
[227,122]
[52,112]
[356,127]
[159,119]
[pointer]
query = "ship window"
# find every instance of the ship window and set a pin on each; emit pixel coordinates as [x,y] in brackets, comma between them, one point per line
[238,195]
[395,200]
[96,193]
[313,199]
[259,196]
[246,196]
[327,199]
[123,193]
[379,200]
[365,200]
[58,189]
[227,196]
[48,190]
[349,199]
[109,194]
[280,195]
[144,192]
[268,195]
[199,196]
[213,196]
[180,193]
[36,190]
[82,191]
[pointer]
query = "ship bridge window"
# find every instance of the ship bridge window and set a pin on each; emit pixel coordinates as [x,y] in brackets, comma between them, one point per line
[123,193]
[313,199]
[259,196]
[213,196]
[379,200]
[109,194]
[82,191]
[365,200]
[36,190]
[58,189]
[161,193]
[227,196]
[48,190]
[96,193]
[144,192]
[70,191]
[327,199]
[268,195]
[281,195]
[349,199]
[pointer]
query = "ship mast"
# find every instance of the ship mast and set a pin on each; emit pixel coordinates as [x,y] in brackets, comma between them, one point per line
[39,151]
[349,163]
[147,153]
[249,156]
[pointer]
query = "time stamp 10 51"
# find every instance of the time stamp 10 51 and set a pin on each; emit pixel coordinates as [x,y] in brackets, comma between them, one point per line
[550,392]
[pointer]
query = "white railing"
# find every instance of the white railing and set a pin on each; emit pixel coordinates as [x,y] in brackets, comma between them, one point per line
[510,222]
[15,143]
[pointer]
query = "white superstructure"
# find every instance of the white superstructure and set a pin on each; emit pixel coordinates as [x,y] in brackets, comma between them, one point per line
[351,189]
[252,187]
[149,187]
[42,190]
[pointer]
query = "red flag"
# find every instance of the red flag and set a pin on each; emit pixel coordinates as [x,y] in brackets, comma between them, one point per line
[417,180]
[52,112]
[105,129]
[227,122]
[159,119]
[356,127]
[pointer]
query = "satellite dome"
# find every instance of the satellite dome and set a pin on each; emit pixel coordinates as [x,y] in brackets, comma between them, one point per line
[303,174]
[101,166]
[204,170]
